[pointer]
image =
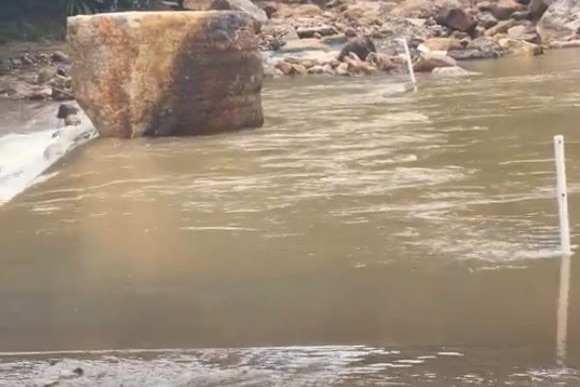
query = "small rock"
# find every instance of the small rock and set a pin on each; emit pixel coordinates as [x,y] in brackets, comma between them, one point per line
[60,57]
[62,94]
[328,69]
[430,61]
[486,20]
[443,44]
[320,30]
[40,94]
[78,371]
[5,66]
[501,28]
[271,8]
[480,48]
[316,70]
[298,69]
[361,46]
[65,110]
[526,33]
[62,72]
[284,67]
[342,69]
[307,10]
[568,44]
[522,15]
[16,63]
[45,75]
[520,47]
[27,60]
[44,59]
[504,9]
[456,18]
[454,71]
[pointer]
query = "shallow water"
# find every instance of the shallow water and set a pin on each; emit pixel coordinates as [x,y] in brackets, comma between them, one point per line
[386,237]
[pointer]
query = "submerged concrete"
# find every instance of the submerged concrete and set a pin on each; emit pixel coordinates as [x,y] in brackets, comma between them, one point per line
[167,73]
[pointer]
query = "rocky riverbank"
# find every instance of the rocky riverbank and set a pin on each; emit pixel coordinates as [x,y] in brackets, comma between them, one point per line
[349,37]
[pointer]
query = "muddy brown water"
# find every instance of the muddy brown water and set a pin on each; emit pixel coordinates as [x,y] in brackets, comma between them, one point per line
[364,236]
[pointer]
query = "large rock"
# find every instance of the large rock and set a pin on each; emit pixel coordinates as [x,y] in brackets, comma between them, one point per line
[561,21]
[166,73]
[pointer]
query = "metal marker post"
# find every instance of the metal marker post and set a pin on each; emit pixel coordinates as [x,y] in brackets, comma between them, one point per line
[409,64]
[562,195]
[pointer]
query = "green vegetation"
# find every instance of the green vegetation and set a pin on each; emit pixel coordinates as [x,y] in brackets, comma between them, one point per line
[32,20]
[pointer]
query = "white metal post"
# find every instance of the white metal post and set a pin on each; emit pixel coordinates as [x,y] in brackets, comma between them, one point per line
[409,64]
[562,195]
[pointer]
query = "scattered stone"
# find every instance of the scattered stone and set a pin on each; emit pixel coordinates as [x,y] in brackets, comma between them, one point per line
[430,61]
[456,18]
[504,9]
[16,63]
[360,46]
[443,44]
[310,32]
[520,47]
[27,60]
[60,57]
[78,372]
[65,110]
[342,69]
[486,20]
[526,33]
[454,71]
[307,10]
[40,93]
[45,75]
[479,48]
[501,28]
[568,44]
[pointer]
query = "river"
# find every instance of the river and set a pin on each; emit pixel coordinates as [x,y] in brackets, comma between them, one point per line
[363,237]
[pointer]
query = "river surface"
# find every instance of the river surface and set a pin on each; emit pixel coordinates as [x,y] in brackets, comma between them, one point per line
[362,237]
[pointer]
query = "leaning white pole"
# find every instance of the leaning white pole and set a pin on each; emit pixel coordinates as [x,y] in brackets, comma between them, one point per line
[409,64]
[562,195]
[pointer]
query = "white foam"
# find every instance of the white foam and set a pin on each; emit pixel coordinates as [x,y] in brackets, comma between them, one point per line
[24,157]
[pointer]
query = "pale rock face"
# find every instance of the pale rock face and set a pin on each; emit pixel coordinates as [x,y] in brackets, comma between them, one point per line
[167,73]
[560,22]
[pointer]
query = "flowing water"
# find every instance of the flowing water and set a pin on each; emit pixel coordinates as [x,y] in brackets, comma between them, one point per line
[363,237]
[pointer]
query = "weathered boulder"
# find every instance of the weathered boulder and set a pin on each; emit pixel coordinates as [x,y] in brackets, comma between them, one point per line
[561,21]
[166,73]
